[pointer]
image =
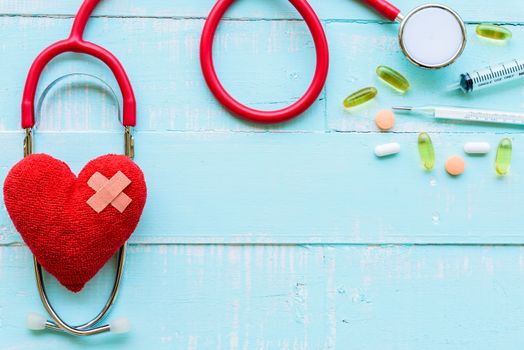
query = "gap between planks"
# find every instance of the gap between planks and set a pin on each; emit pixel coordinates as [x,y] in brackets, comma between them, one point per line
[241,19]
[303,245]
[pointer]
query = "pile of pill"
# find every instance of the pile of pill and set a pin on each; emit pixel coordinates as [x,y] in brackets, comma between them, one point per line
[454,165]
[389,76]
[385,119]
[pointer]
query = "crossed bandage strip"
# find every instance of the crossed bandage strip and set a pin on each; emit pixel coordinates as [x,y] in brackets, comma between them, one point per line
[109,191]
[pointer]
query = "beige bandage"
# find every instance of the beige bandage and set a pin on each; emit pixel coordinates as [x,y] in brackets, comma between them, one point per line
[109,192]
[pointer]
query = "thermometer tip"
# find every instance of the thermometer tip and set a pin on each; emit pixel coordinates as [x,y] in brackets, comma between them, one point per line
[402,108]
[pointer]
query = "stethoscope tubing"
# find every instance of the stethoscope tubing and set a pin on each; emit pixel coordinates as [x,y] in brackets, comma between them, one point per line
[385,8]
[248,113]
[76,43]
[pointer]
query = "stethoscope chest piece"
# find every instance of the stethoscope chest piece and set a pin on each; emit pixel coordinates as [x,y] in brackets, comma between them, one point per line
[432,36]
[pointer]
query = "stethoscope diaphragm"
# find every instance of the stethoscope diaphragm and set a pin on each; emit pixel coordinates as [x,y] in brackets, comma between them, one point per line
[430,36]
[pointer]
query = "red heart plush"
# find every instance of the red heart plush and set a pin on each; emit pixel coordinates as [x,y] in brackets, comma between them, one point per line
[48,206]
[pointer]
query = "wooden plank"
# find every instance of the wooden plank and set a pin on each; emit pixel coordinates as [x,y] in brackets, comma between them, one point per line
[172,95]
[481,10]
[161,57]
[282,297]
[303,188]
[325,245]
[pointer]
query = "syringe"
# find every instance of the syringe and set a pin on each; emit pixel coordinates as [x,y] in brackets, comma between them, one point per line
[466,114]
[490,76]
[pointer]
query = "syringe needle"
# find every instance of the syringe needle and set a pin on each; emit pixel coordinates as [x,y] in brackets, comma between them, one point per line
[454,86]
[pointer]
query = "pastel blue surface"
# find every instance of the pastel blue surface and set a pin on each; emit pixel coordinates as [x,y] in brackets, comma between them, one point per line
[276,237]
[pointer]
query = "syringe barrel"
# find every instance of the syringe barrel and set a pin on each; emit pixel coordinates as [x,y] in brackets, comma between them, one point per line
[493,75]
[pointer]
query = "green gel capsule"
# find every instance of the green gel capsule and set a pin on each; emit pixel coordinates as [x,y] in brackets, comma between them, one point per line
[503,158]
[393,78]
[426,151]
[360,97]
[494,32]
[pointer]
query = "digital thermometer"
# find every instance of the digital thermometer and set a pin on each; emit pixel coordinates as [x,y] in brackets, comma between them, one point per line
[466,114]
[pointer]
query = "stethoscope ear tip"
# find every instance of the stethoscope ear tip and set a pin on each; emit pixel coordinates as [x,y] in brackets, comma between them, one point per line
[35,321]
[120,325]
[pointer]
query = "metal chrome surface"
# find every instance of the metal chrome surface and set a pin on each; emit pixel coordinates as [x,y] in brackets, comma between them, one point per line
[404,20]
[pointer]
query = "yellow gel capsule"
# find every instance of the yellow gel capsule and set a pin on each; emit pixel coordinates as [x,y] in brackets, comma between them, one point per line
[494,32]
[393,78]
[360,97]
[503,158]
[426,151]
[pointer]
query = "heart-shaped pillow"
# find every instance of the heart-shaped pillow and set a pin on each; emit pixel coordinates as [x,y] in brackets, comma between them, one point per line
[74,225]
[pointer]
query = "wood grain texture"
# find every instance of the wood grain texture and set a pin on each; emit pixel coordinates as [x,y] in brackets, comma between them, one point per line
[283,237]
[303,188]
[482,10]
[288,297]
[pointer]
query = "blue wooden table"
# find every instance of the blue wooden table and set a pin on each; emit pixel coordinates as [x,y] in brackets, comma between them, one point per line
[282,237]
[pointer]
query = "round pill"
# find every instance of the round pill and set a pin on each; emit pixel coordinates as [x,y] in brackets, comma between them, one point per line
[455,165]
[387,149]
[477,147]
[385,119]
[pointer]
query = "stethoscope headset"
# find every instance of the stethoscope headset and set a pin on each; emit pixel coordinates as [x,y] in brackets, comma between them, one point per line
[76,43]
[419,25]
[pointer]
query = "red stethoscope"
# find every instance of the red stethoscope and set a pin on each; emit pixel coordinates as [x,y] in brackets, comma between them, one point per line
[251,114]
[431,36]
[76,43]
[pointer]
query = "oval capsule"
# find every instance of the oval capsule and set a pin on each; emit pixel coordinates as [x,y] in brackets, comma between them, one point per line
[426,151]
[503,158]
[393,78]
[361,96]
[491,31]
[387,149]
[477,147]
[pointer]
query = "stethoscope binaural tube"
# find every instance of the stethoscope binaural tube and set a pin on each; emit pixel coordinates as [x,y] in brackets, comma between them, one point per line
[251,114]
[431,36]
[76,43]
